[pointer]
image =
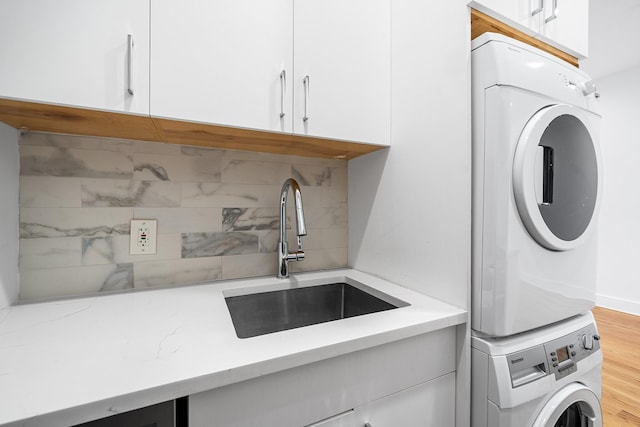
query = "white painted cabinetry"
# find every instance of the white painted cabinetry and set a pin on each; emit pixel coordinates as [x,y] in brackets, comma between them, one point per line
[568,26]
[406,383]
[345,419]
[342,64]
[429,404]
[426,405]
[561,23]
[221,62]
[75,52]
[524,13]
[243,64]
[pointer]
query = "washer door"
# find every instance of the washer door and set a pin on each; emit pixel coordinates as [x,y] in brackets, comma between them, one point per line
[573,406]
[556,177]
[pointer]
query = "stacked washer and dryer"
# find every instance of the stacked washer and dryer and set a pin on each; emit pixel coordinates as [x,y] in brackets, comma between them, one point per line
[536,358]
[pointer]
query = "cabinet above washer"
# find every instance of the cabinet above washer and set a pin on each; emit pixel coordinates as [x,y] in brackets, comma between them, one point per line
[563,24]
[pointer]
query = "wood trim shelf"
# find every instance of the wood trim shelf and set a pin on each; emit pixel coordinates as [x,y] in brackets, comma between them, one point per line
[179,132]
[79,121]
[59,119]
[482,23]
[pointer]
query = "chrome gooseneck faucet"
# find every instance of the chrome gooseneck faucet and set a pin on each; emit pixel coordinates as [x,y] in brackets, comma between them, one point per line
[284,256]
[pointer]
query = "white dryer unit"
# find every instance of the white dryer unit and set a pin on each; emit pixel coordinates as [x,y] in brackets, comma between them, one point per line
[550,377]
[536,187]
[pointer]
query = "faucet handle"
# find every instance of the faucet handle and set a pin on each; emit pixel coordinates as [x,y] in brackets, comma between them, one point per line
[299,243]
[295,256]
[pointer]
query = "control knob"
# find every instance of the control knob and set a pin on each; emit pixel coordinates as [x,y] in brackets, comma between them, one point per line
[588,88]
[587,341]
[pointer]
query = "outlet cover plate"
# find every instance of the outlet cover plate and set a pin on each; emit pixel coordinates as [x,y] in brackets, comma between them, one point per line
[143,236]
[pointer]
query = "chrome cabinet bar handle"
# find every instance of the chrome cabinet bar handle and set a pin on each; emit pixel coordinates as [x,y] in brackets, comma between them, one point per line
[554,12]
[283,84]
[538,9]
[130,64]
[305,82]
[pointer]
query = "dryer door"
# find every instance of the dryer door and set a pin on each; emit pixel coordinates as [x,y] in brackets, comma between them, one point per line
[557,177]
[573,406]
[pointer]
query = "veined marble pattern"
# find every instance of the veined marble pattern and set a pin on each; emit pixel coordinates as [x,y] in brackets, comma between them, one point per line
[51,161]
[217,213]
[69,222]
[242,219]
[76,141]
[182,168]
[252,172]
[268,241]
[182,220]
[205,194]
[198,245]
[312,175]
[119,193]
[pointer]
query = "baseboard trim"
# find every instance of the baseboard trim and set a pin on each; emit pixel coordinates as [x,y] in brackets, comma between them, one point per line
[619,304]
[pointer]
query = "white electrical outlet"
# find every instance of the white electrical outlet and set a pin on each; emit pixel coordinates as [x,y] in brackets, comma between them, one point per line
[143,236]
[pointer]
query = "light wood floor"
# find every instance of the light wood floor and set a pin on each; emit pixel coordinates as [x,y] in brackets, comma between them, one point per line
[620,341]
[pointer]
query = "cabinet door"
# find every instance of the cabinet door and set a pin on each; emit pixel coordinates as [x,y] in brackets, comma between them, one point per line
[220,62]
[525,15]
[566,25]
[75,52]
[430,404]
[344,50]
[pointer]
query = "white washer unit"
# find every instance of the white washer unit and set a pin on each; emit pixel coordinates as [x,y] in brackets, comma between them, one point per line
[550,377]
[536,187]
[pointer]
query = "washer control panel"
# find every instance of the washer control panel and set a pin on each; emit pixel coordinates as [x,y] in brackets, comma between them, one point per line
[564,353]
[559,356]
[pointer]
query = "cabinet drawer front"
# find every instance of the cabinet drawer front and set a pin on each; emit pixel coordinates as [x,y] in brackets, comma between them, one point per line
[314,392]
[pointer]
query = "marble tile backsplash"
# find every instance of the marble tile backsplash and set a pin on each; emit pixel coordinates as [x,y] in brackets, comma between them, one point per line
[217,213]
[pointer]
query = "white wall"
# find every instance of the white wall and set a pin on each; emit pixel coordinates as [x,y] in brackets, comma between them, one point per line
[9,173]
[619,223]
[409,206]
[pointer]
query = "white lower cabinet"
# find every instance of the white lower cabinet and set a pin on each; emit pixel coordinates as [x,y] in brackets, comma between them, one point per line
[345,419]
[406,383]
[430,404]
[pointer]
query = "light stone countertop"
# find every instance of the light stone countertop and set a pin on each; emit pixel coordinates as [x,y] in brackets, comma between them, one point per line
[70,361]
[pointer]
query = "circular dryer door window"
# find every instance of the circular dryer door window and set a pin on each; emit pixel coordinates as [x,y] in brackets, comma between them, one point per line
[557,178]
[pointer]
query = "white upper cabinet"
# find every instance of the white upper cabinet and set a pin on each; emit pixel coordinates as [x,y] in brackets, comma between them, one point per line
[566,23]
[563,24]
[226,62]
[91,54]
[342,69]
[524,13]
[310,67]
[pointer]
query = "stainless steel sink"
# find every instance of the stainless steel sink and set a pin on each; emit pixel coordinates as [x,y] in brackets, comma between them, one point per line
[263,313]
